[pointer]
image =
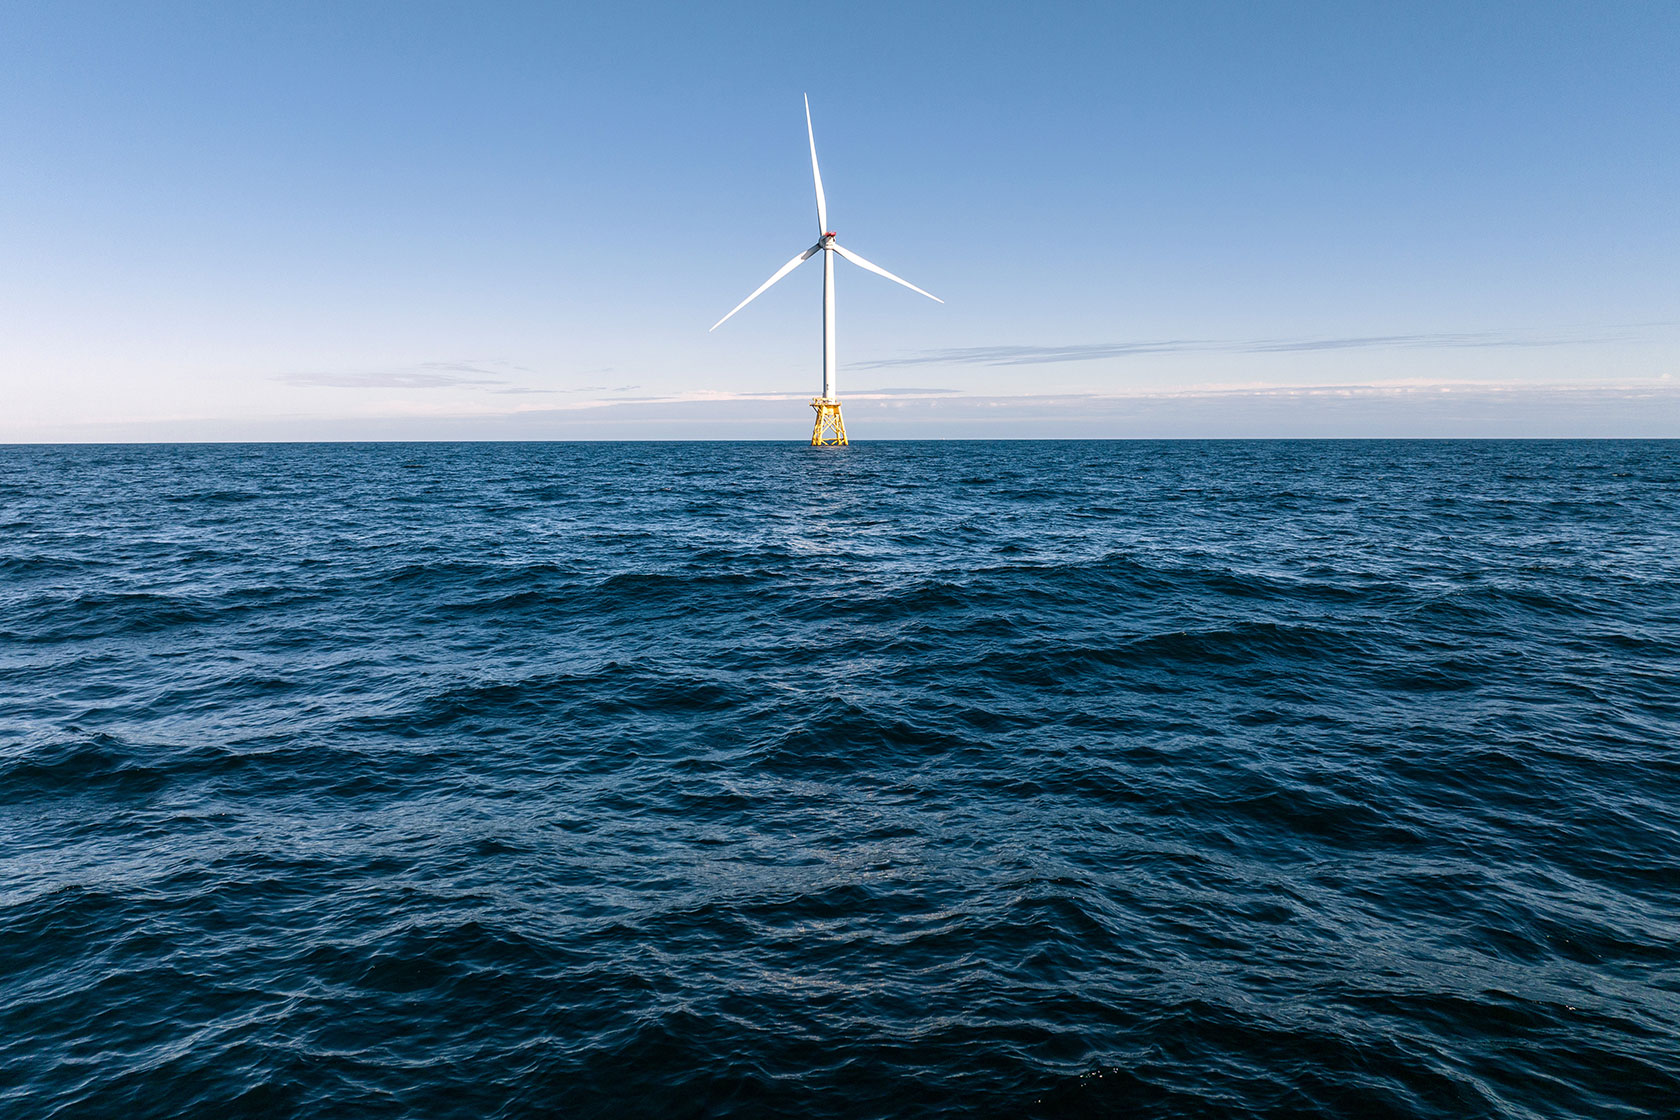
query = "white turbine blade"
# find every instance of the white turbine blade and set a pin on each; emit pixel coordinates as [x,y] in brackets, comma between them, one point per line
[822,204]
[780,272]
[861,263]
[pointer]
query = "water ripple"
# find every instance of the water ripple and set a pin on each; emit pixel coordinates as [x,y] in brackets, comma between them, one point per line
[999,779]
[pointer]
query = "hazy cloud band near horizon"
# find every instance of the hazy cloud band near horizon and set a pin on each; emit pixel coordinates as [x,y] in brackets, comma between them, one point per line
[1085,352]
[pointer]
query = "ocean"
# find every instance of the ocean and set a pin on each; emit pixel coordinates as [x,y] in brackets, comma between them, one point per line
[920,779]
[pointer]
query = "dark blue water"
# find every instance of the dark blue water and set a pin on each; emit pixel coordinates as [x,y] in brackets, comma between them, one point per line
[945,779]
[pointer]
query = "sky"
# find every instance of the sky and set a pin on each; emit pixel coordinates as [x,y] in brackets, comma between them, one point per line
[281,221]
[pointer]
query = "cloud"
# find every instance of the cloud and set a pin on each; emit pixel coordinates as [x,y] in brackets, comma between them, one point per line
[1421,407]
[798,394]
[1030,355]
[423,377]
[1040,355]
[900,392]
[488,375]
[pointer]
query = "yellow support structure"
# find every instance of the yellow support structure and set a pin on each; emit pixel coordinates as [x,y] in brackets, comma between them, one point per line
[830,429]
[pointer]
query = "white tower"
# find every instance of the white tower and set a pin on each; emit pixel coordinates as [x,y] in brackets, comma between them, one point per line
[829,429]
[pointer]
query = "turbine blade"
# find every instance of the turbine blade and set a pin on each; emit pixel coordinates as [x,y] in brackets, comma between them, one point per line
[780,272]
[822,204]
[861,263]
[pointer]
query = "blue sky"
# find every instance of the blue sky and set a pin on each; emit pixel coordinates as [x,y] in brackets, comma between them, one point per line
[292,220]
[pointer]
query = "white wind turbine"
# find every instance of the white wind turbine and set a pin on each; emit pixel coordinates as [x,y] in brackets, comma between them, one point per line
[830,428]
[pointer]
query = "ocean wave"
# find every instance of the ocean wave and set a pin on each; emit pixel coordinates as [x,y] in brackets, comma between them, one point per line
[1016,779]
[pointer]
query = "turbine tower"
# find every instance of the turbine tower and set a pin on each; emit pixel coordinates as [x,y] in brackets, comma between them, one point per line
[829,429]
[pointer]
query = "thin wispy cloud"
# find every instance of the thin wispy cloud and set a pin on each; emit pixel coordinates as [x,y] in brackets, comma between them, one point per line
[1042,355]
[491,376]
[804,394]
[418,378]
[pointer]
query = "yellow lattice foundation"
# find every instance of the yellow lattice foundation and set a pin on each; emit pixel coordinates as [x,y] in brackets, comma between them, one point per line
[830,429]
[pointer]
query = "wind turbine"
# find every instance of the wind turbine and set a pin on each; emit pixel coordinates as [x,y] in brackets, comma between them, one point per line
[830,429]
